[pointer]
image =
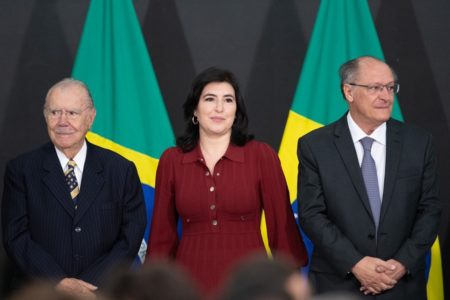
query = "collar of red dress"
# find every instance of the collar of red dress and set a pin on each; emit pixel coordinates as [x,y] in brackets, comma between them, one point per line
[235,153]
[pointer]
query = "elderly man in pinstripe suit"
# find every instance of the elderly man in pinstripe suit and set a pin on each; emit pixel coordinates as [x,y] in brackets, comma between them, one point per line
[70,209]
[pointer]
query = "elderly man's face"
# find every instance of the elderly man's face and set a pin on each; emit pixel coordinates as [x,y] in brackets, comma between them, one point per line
[371,109]
[69,115]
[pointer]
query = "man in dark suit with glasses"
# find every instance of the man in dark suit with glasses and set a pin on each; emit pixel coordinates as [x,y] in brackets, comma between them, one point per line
[368,192]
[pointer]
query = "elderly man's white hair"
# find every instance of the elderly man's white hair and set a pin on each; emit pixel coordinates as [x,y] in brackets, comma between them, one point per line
[66,82]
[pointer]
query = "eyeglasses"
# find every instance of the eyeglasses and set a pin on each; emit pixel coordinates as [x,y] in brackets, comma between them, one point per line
[391,88]
[55,114]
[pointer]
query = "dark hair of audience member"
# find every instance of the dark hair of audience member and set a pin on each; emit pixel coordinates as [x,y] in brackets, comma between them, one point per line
[259,278]
[342,295]
[157,280]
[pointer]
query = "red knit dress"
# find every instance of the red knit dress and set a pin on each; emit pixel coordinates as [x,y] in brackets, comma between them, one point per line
[221,212]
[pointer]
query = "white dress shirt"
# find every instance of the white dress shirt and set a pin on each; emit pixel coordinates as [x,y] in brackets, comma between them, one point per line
[378,150]
[79,159]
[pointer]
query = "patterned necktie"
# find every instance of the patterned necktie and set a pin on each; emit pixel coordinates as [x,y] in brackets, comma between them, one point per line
[369,172]
[71,180]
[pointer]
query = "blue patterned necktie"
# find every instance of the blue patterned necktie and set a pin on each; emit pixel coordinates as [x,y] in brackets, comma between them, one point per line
[71,180]
[369,172]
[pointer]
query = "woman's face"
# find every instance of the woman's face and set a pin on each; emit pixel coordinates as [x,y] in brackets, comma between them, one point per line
[216,109]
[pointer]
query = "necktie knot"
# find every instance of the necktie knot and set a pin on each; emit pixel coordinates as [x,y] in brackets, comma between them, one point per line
[367,143]
[71,164]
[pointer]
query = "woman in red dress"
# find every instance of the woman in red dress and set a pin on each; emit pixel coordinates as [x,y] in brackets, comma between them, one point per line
[217,181]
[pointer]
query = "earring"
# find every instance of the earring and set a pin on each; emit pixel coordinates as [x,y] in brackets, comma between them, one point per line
[194,120]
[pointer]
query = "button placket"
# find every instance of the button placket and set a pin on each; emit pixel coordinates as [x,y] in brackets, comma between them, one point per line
[216,176]
[212,204]
[210,185]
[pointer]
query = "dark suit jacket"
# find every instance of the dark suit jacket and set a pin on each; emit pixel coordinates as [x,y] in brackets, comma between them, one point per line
[335,213]
[47,238]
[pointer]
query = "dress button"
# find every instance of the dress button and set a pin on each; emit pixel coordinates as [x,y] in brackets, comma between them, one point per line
[207,173]
[214,222]
[188,220]
[218,174]
[212,207]
[211,189]
[77,229]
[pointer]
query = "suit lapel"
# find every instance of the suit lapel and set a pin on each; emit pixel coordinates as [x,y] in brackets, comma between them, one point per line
[346,149]
[92,182]
[393,156]
[55,180]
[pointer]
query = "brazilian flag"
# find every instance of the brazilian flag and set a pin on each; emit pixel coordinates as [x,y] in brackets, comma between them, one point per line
[343,30]
[131,120]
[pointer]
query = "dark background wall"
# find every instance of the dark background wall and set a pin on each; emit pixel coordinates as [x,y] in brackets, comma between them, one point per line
[263,41]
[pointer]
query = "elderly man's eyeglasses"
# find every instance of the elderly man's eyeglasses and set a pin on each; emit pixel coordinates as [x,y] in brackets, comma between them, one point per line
[391,88]
[54,114]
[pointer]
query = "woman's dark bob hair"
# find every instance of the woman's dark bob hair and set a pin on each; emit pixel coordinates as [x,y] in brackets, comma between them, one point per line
[239,135]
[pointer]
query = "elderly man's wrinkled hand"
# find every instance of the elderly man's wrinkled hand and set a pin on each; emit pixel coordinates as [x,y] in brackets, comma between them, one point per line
[77,287]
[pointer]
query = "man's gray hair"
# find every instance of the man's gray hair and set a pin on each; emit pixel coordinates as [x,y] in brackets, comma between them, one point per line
[348,72]
[66,82]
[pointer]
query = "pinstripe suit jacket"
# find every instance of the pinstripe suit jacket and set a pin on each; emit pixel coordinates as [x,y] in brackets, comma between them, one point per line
[47,238]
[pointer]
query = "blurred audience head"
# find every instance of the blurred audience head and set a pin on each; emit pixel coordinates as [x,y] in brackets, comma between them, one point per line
[263,278]
[42,290]
[337,296]
[157,280]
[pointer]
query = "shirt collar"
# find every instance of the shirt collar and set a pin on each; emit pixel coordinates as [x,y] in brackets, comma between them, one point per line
[79,159]
[379,134]
[235,153]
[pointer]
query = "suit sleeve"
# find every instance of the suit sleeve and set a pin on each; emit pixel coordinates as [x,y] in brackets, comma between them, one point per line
[328,240]
[427,218]
[134,220]
[282,230]
[163,240]
[29,256]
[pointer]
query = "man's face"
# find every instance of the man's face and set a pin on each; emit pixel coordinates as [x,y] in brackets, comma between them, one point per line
[369,107]
[69,115]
